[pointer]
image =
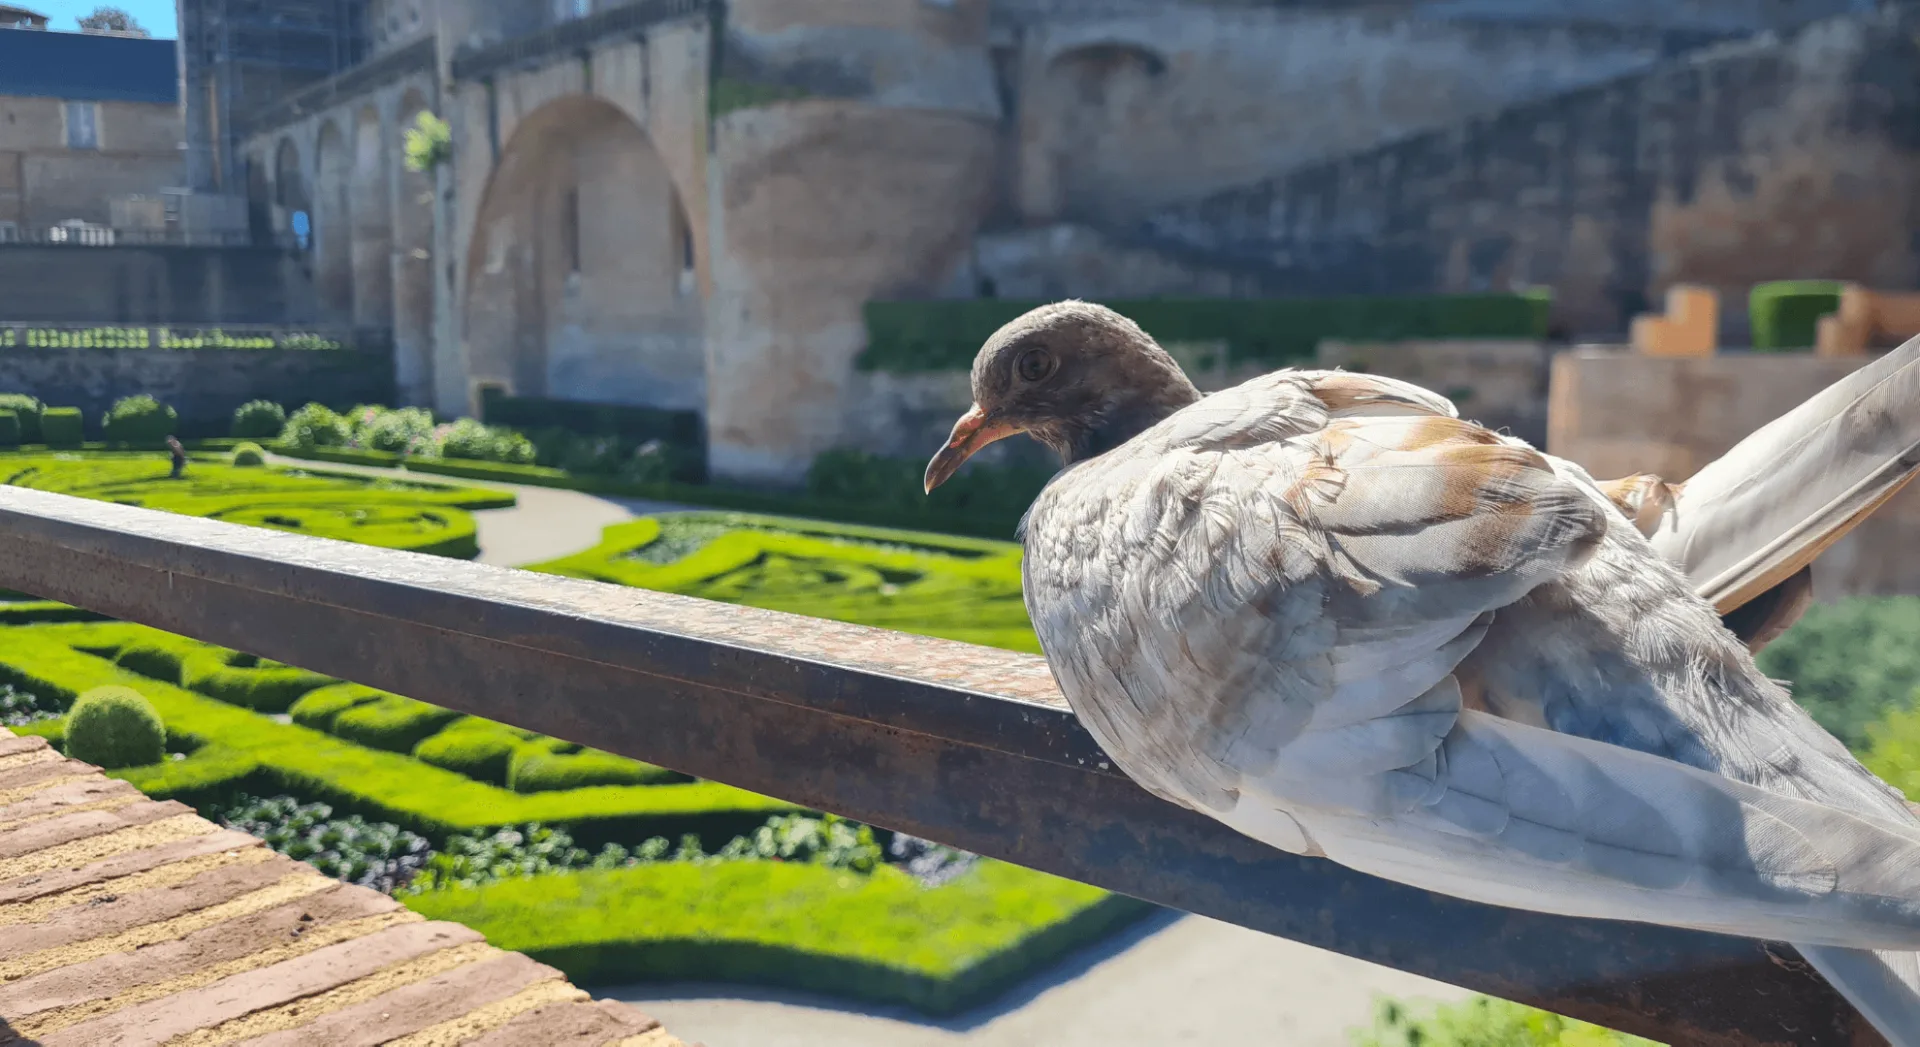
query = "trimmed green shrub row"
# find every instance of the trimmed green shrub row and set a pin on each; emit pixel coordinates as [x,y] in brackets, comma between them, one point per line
[955,588]
[395,513]
[1484,1022]
[945,335]
[9,429]
[139,420]
[983,496]
[1786,313]
[880,937]
[114,727]
[27,410]
[62,427]
[241,750]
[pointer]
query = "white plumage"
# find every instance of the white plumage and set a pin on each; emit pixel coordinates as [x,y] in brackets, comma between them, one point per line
[1325,611]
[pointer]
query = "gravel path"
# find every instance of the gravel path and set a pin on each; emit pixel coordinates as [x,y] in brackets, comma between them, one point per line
[546,524]
[1174,980]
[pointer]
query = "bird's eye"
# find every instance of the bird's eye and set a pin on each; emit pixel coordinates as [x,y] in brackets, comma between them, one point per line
[1033,365]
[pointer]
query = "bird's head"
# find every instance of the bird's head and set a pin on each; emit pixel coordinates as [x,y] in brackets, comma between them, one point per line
[1078,377]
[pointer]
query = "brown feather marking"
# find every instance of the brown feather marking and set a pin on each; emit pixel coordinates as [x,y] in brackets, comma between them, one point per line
[1341,391]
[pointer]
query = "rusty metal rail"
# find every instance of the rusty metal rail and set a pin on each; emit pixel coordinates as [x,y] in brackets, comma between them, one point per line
[966,745]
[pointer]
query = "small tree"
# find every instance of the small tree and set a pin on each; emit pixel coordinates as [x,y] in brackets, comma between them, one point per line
[429,143]
[111,20]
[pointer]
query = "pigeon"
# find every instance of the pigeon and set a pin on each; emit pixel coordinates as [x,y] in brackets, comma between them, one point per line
[1322,609]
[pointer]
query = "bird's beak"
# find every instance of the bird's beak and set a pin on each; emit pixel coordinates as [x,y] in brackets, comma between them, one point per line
[972,432]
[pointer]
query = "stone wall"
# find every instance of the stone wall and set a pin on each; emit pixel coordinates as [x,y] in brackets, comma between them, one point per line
[204,385]
[199,285]
[1116,113]
[1618,413]
[42,182]
[1767,159]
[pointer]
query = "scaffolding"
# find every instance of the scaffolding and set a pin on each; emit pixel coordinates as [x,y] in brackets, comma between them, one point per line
[240,57]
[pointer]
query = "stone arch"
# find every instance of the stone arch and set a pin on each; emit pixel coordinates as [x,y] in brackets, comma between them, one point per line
[291,196]
[413,265]
[1088,103]
[332,221]
[578,277]
[372,213]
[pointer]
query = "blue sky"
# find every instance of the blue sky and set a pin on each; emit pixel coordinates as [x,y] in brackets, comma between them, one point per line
[155,15]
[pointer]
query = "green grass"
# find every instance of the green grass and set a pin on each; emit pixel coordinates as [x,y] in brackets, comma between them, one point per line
[237,749]
[956,588]
[430,771]
[881,937]
[393,513]
[1484,1022]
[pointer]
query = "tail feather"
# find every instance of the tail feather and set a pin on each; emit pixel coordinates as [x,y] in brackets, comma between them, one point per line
[1883,986]
[1757,515]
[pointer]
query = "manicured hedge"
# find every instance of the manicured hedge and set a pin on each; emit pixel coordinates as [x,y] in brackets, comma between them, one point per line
[1484,1021]
[27,409]
[593,419]
[976,505]
[1786,313]
[880,937]
[62,427]
[9,429]
[419,516]
[945,335]
[957,588]
[240,750]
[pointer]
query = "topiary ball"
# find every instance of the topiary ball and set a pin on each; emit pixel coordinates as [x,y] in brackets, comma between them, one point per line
[114,727]
[249,455]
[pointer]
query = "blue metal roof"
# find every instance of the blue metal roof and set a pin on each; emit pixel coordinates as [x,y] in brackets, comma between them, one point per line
[87,67]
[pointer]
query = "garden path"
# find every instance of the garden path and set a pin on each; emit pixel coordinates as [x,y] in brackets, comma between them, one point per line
[548,523]
[1188,979]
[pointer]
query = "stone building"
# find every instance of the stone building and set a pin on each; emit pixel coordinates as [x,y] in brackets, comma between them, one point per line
[688,204]
[84,118]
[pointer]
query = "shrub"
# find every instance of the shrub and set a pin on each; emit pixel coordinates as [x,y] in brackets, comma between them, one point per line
[883,938]
[249,455]
[318,708]
[1851,663]
[9,429]
[247,681]
[259,420]
[62,427]
[391,722]
[945,335]
[405,431]
[379,855]
[536,769]
[1485,1022]
[19,708]
[114,727]
[138,420]
[316,425]
[429,143]
[154,660]
[480,749]
[472,440]
[28,409]
[1786,313]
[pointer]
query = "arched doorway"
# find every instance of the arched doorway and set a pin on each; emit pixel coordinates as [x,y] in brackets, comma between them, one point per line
[332,223]
[579,271]
[413,272]
[290,193]
[372,215]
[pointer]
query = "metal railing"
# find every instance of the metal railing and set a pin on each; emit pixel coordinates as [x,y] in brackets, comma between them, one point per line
[28,335]
[107,236]
[569,36]
[966,745]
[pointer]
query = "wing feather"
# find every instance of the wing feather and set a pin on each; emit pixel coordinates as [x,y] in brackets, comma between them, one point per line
[1282,651]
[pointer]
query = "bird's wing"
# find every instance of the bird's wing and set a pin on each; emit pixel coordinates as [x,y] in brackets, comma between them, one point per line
[1265,630]
[1764,510]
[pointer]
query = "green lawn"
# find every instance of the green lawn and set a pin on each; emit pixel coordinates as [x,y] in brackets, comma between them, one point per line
[247,726]
[394,513]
